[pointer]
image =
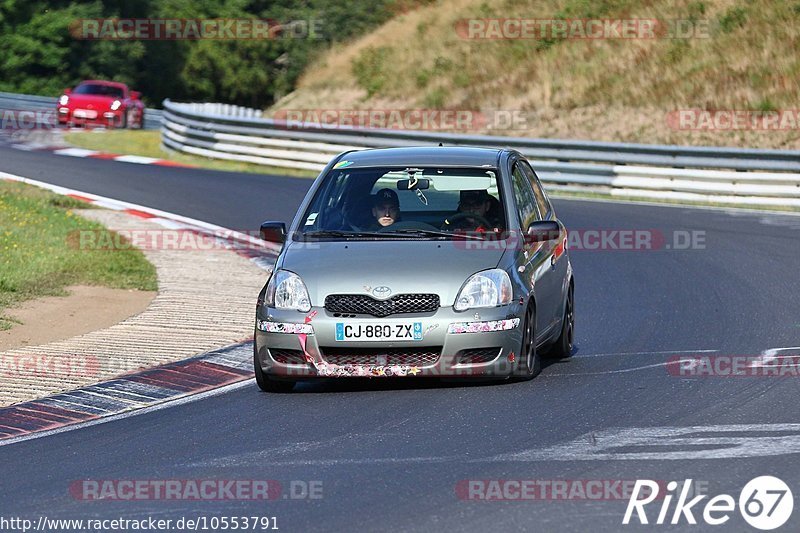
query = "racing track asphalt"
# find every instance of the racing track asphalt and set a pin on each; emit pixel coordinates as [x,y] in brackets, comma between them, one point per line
[390,454]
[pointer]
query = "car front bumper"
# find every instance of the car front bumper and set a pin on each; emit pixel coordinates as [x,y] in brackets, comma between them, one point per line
[107,118]
[476,343]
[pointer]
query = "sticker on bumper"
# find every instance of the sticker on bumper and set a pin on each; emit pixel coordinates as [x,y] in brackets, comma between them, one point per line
[284,327]
[481,327]
[364,371]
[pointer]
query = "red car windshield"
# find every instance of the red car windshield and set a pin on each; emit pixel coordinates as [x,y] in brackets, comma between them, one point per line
[99,90]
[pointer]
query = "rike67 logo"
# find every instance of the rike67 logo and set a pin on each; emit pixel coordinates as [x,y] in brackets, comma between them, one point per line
[765,503]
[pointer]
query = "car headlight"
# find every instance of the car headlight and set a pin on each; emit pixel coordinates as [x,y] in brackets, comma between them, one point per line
[485,289]
[115,105]
[63,100]
[287,291]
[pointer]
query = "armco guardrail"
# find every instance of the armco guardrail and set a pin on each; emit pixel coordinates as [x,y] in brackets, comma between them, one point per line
[27,102]
[727,175]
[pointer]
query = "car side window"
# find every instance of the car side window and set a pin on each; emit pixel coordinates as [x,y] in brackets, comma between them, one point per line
[524,198]
[538,192]
[329,216]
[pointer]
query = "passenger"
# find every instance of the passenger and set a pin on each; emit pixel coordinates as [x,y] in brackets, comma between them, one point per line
[479,203]
[385,208]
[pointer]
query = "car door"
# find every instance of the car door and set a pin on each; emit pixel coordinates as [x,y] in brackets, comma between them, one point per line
[536,257]
[558,257]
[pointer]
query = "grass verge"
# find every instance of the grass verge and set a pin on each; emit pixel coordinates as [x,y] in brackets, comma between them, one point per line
[37,259]
[148,144]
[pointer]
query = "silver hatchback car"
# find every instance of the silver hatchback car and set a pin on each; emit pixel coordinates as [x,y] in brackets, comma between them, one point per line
[429,262]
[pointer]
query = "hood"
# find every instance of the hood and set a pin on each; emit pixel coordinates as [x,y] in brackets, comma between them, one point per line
[84,101]
[404,266]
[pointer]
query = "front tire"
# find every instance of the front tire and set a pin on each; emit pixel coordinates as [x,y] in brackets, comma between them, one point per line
[266,383]
[529,361]
[562,348]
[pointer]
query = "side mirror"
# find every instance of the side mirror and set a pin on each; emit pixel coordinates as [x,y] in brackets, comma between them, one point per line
[543,230]
[67,91]
[136,95]
[272,231]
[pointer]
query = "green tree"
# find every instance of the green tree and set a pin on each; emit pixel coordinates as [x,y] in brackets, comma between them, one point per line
[41,55]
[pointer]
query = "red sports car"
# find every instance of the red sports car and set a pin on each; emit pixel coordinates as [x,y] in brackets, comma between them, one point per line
[102,103]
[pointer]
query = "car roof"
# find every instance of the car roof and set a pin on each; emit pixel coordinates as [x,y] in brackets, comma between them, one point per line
[423,155]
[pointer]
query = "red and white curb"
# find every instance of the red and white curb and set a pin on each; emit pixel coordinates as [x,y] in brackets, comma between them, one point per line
[55,145]
[206,374]
[95,154]
[260,252]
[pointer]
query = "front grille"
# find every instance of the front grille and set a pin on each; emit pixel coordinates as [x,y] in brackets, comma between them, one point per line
[422,356]
[287,357]
[477,356]
[362,304]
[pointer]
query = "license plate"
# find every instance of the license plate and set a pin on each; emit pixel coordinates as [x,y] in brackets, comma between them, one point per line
[375,331]
[85,113]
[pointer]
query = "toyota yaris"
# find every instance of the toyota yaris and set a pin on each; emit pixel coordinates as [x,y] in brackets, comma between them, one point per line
[438,261]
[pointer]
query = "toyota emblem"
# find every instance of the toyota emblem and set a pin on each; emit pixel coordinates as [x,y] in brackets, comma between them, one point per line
[382,292]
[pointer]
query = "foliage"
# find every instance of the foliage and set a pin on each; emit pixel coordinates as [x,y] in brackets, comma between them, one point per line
[372,68]
[42,56]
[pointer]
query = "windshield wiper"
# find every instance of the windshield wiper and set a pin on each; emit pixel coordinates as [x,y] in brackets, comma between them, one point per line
[406,233]
[341,233]
[431,233]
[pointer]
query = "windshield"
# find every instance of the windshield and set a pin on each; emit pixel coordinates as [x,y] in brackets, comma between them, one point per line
[381,203]
[99,90]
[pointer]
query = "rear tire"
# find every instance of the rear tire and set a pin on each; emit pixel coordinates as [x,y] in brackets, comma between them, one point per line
[562,348]
[266,383]
[529,360]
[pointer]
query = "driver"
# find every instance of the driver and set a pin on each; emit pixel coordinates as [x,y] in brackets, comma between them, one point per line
[385,208]
[479,203]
